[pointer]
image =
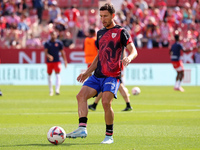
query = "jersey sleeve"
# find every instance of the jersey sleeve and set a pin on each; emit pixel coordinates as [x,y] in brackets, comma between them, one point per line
[125,38]
[97,41]
[181,47]
[45,45]
[61,45]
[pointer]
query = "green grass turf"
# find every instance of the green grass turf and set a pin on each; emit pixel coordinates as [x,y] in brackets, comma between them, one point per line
[162,119]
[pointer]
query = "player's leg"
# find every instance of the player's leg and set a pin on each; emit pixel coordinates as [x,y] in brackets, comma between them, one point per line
[49,72]
[89,89]
[57,68]
[180,74]
[107,98]
[82,97]
[124,92]
[96,101]
[109,91]
[180,78]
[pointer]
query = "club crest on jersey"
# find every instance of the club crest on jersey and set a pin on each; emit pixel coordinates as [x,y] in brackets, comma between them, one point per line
[56,44]
[114,35]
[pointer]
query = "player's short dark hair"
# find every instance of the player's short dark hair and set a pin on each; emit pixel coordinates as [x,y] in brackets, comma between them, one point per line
[109,7]
[176,37]
[91,31]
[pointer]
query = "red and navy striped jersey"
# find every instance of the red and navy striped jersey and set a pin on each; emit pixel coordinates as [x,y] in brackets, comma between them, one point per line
[111,43]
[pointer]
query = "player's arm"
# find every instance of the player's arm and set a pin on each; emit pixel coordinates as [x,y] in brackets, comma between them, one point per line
[49,57]
[64,57]
[81,78]
[133,53]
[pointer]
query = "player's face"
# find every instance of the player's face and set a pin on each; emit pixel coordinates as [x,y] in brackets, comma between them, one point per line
[53,36]
[106,18]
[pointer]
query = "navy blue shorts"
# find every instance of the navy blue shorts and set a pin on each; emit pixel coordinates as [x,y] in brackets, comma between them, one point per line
[103,84]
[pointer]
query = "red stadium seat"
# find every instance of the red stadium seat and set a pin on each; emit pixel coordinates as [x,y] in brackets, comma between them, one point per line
[29,3]
[86,3]
[95,3]
[171,3]
[160,3]
[149,1]
[63,3]
[82,12]
[182,2]
[192,2]
[134,1]
[75,3]
[45,15]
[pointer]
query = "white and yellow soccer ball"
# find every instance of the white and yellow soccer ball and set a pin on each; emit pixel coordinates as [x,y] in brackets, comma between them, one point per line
[56,135]
[136,91]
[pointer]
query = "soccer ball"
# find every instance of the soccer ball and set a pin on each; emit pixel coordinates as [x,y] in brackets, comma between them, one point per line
[136,90]
[56,135]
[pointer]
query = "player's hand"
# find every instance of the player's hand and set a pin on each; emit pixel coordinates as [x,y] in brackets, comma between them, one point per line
[50,57]
[65,64]
[126,61]
[81,78]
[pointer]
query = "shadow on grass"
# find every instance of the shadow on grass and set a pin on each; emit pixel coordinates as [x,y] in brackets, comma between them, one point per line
[47,145]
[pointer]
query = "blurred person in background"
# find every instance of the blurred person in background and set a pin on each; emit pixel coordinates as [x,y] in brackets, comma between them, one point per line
[72,15]
[54,12]
[187,14]
[90,48]
[175,53]
[197,54]
[152,33]
[166,34]
[52,48]
[39,6]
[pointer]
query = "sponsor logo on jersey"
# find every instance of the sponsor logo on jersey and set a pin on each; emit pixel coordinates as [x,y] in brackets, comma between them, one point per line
[56,44]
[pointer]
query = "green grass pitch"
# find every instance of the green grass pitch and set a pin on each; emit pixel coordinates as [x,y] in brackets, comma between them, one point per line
[162,119]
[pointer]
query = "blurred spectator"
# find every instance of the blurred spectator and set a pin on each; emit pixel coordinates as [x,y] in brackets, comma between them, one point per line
[187,13]
[22,7]
[120,17]
[137,11]
[170,18]
[2,26]
[196,11]
[189,43]
[136,33]
[54,12]
[143,5]
[22,25]
[197,55]
[124,9]
[163,10]
[12,21]
[178,16]
[60,23]
[39,6]
[152,33]
[8,7]
[12,38]
[33,42]
[166,32]
[72,15]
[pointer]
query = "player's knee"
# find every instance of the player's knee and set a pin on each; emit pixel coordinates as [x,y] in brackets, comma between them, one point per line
[106,105]
[79,96]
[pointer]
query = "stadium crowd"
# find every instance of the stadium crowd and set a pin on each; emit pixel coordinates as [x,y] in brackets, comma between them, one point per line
[151,23]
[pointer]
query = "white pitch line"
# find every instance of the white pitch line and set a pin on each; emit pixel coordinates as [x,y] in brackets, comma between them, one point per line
[64,113]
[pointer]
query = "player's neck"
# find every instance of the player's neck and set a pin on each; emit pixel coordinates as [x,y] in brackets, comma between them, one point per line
[111,25]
